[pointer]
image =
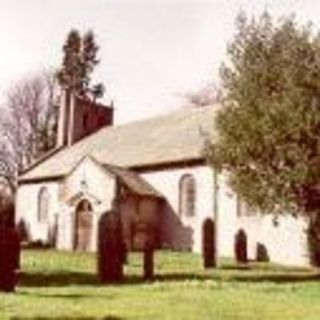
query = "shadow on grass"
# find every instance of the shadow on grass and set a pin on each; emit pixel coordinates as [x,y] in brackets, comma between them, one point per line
[58,279]
[246,277]
[67,318]
[230,275]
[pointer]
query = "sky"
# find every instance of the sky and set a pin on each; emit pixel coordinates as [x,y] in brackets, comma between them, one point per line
[151,53]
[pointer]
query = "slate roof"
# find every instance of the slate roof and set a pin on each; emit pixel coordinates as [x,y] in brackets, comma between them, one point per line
[171,138]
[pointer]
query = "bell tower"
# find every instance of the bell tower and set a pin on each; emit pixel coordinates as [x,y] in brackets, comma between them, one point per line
[79,117]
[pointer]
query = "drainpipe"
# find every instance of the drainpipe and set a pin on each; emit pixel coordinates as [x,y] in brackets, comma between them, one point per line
[216,214]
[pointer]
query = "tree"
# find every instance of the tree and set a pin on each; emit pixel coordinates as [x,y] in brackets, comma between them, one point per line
[208,95]
[79,61]
[268,128]
[28,125]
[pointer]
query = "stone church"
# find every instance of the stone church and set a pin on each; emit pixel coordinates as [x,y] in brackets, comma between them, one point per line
[152,167]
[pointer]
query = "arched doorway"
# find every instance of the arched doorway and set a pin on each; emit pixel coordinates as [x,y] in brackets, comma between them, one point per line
[208,243]
[83,226]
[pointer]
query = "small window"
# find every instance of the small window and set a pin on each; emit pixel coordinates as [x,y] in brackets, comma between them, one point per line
[187,195]
[43,204]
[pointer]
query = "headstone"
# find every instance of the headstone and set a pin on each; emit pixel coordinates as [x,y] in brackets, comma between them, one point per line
[241,247]
[110,248]
[148,262]
[9,258]
[208,244]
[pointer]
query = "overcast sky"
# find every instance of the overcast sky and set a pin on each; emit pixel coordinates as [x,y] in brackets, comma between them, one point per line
[151,51]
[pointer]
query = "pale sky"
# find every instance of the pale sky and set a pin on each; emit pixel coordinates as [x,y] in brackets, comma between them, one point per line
[151,51]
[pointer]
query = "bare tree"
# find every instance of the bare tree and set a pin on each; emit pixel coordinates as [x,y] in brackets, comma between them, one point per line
[211,93]
[27,125]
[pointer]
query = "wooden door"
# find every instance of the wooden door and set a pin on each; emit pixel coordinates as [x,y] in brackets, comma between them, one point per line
[83,226]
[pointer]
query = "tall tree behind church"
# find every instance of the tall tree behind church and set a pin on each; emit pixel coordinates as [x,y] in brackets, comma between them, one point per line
[79,61]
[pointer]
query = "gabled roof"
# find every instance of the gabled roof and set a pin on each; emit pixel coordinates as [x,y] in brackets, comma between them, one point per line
[175,137]
[133,181]
[83,194]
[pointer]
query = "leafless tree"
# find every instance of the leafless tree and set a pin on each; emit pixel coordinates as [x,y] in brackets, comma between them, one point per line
[27,125]
[209,94]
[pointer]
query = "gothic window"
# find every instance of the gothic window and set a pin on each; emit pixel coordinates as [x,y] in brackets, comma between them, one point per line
[187,195]
[43,204]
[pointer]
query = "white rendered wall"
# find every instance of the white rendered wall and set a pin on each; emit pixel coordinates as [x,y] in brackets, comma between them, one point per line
[226,217]
[27,208]
[167,182]
[99,190]
[285,242]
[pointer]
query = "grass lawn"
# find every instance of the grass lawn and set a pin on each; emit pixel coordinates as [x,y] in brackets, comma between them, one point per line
[60,285]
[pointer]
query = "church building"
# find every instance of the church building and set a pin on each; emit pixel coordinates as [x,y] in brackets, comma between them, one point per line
[151,167]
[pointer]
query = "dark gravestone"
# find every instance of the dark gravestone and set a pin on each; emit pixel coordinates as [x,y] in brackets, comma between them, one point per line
[144,240]
[9,258]
[262,254]
[148,262]
[208,244]
[111,250]
[22,230]
[241,247]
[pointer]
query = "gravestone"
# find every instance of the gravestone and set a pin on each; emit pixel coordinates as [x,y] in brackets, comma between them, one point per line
[241,247]
[208,244]
[9,258]
[111,250]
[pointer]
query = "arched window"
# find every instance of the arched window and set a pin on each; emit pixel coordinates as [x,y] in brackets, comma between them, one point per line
[187,195]
[43,204]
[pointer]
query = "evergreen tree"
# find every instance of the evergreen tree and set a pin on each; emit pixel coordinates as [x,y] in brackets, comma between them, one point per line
[268,128]
[79,61]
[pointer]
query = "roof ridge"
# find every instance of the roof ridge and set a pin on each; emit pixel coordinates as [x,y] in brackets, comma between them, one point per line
[169,114]
[140,121]
[168,138]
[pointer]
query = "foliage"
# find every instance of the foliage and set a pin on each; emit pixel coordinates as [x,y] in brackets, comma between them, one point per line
[270,123]
[28,124]
[269,127]
[79,61]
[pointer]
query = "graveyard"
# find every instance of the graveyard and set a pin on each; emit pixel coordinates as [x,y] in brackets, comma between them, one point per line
[64,285]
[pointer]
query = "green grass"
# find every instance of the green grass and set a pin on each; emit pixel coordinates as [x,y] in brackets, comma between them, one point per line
[60,285]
